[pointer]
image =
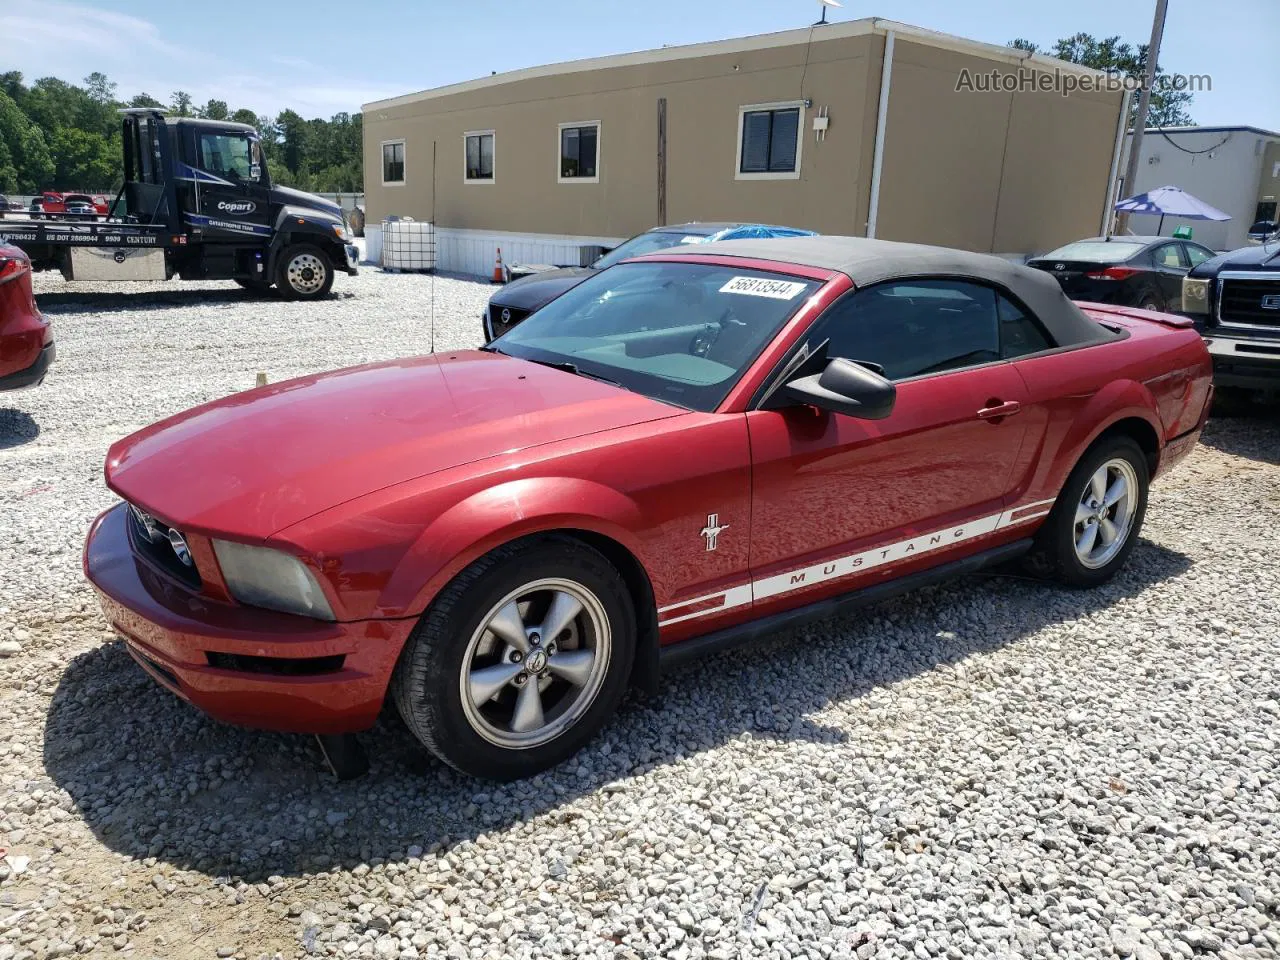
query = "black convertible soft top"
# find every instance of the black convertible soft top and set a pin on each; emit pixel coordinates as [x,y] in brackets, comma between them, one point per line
[867,261]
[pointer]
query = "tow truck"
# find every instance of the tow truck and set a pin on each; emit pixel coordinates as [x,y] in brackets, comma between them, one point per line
[197,202]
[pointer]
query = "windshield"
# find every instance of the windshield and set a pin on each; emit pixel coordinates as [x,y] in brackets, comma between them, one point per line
[682,333]
[1095,251]
[647,243]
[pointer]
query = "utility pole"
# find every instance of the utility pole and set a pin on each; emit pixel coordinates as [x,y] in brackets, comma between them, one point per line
[1144,104]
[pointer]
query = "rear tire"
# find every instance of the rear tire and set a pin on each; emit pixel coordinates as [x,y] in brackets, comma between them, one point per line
[304,272]
[1094,526]
[467,680]
[1149,302]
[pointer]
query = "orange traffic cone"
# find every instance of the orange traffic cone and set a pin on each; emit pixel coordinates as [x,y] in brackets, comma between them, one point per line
[497,268]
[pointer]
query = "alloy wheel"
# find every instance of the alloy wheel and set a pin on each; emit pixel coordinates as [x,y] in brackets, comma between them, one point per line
[1105,513]
[536,663]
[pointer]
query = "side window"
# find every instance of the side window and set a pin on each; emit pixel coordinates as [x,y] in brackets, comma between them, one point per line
[1167,256]
[1020,334]
[226,155]
[1196,254]
[579,152]
[915,327]
[392,162]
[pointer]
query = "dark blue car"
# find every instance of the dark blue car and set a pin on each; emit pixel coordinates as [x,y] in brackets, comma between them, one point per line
[519,298]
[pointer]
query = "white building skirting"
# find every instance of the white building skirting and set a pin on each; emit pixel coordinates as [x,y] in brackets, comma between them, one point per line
[474,251]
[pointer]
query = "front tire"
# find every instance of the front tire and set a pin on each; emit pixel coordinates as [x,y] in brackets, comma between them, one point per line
[1094,526]
[520,660]
[304,273]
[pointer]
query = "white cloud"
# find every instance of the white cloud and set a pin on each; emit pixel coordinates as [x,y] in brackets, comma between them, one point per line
[70,40]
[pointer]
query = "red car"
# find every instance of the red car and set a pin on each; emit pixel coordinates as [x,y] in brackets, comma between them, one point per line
[70,204]
[26,338]
[685,450]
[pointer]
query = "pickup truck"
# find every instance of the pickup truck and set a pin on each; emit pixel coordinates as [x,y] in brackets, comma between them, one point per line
[1234,300]
[197,202]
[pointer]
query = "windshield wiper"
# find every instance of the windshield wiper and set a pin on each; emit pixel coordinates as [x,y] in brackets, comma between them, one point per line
[569,367]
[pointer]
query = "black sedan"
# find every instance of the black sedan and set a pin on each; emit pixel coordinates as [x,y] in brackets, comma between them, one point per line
[519,298]
[1142,272]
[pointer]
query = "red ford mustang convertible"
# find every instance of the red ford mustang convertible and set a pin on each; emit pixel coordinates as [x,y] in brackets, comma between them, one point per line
[684,451]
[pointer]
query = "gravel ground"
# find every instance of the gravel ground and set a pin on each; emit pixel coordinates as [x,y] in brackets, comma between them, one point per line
[990,769]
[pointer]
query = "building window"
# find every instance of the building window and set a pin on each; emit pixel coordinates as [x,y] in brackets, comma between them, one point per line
[580,152]
[478,156]
[392,162]
[769,139]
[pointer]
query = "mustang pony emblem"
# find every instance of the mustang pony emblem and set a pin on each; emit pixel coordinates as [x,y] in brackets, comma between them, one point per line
[712,530]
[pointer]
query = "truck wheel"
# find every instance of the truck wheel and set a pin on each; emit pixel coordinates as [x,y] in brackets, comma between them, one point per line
[520,659]
[1094,525]
[304,273]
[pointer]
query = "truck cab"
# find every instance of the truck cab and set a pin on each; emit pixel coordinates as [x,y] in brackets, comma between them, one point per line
[1234,300]
[197,202]
[207,180]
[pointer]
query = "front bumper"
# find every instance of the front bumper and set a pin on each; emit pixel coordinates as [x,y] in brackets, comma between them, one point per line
[353,258]
[1251,364]
[172,633]
[33,375]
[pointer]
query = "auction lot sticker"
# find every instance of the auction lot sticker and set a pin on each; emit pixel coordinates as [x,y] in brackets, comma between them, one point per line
[759,287]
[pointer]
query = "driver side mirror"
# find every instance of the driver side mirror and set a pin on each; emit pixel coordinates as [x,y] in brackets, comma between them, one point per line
[845,387]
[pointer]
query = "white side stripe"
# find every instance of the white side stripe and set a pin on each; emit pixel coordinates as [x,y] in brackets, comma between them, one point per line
[780,583]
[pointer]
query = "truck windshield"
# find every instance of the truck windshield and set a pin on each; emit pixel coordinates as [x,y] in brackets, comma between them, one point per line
[682,333]
[227,155]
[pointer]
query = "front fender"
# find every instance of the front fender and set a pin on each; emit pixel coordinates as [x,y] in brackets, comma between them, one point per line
[302,223]
[497,515]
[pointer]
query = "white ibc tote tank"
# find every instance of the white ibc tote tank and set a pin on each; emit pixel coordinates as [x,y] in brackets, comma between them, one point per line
[408,245]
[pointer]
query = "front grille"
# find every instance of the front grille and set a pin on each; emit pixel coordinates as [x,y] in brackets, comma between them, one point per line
[277,666]
[502,319]
[151,540]
[1241,301]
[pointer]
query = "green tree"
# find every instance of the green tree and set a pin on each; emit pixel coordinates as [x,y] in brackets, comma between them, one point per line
[1168,104]
[27,165]
[245,116]
[180,103]
[214,110]
[85,160]
[100,89]
[145,100]
[292,133]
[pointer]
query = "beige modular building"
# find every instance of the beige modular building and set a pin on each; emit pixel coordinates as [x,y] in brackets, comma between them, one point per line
[863,128]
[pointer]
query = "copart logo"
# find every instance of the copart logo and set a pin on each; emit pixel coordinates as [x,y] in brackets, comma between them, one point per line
[237,207]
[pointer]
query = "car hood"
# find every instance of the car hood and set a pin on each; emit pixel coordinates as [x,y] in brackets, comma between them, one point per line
[1263,258]
[251,464]
[536,290]
[298,198]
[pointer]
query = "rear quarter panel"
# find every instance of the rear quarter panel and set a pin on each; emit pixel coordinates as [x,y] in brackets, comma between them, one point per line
[1160,375]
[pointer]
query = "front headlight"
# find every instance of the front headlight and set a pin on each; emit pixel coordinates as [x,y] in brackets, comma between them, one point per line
[1195,295]
[342,233]
[262,577]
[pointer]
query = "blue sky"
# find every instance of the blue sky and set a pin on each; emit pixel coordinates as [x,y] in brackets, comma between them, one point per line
[320,57]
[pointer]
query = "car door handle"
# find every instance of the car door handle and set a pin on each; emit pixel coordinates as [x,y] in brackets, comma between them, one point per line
[996,409]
